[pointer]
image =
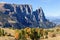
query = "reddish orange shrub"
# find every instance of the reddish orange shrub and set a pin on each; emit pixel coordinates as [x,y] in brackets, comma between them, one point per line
[16,35]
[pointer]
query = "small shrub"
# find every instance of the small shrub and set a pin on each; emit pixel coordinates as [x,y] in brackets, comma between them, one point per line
[53,35]
[0,31]
[57,30]
[9,34]
[50,30]
[17,34]
[46,32]
[5,33]
[46,36]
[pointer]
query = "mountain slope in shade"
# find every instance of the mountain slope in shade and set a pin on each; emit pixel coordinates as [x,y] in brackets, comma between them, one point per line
[21,16]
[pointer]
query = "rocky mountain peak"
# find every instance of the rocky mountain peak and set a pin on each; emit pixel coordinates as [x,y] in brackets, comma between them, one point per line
[21,16]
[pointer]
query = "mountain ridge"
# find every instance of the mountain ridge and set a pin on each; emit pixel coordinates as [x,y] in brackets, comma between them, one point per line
[21,16]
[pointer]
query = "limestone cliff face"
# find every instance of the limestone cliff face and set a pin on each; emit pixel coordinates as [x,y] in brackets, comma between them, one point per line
[21,16]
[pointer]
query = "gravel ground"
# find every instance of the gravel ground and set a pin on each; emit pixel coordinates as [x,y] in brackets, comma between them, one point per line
[7,38]
[54,38]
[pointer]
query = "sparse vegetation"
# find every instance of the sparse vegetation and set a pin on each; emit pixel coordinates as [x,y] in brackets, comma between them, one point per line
[31,33]
[2,32]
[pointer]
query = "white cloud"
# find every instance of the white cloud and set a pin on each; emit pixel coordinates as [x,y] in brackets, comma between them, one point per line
[46,0]
[3,2]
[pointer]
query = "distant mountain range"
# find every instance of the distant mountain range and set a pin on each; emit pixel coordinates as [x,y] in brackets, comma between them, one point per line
[54,19]
[21,16]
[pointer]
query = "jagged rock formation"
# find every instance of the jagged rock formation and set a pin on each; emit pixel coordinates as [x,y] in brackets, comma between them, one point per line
[21,16]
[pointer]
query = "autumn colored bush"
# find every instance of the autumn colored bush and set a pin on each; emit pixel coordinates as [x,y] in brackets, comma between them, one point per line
[32,33]
[17,35]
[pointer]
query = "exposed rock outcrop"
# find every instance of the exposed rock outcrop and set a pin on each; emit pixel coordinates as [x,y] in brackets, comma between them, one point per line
[21,16]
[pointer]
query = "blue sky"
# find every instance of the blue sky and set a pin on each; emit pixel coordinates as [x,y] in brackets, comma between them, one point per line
[51,8]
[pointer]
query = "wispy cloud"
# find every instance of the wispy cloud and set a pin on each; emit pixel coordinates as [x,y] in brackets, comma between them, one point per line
[2,2]
[46,0]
